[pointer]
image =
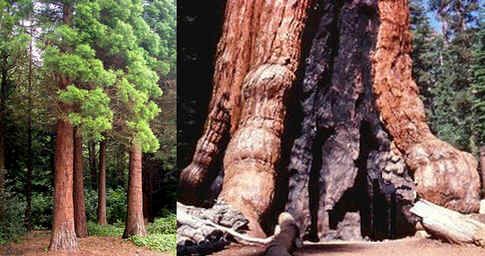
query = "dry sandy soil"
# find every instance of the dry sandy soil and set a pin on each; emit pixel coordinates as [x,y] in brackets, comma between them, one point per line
[401,247]
[36,243]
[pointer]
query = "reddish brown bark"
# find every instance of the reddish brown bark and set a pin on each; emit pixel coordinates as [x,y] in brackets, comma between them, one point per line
[482,168]
[102,184]
[256,61]
[443,174]
[363,134]
[134,219]
[63,230]
[78,193]
[92,162]
[63,236]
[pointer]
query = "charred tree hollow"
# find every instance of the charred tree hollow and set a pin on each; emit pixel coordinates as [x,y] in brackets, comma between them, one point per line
[362,150]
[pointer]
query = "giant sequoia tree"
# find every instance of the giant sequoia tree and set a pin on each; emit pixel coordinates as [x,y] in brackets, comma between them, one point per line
[363,137]
[78,77]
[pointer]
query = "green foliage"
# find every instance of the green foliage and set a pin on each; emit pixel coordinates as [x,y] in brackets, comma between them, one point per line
[116,205]
[130,47]
[106,65]
[13,37]
[78,74]
[91,204]
[425,51]
[165,225]
[11,219]
[443,70]
[161,233]
[478,86]
[161,17]
[94,115]
[454,15]
[42,206]
[157,242]
[95,229]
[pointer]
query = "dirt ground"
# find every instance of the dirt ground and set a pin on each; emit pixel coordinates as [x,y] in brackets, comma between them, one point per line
[401,247]
[36,243]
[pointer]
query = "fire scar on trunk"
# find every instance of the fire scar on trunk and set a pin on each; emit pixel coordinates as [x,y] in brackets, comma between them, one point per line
[362,147]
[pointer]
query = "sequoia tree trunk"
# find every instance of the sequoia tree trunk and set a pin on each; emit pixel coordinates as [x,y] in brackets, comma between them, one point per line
[256,62]
[92,162]
[362,137]
[134,220]
[63,236]
[443,174]
[78,193]
[102,184]
[63,229]
[482,169]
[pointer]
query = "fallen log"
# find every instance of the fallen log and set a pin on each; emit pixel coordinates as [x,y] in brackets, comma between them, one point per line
[449,225]
[202,231]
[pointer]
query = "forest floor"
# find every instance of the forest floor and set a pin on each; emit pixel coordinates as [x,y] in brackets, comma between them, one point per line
[408,246]
[36,243]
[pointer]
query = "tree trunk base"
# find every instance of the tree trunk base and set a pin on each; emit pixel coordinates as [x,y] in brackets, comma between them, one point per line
[135,230]
[63,239]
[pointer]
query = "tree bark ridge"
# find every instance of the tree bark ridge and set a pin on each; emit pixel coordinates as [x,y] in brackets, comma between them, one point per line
[102,184]
[443,174]
[78,192]
[134,221]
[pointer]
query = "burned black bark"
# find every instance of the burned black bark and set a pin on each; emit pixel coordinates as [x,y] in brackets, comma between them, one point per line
[342,141]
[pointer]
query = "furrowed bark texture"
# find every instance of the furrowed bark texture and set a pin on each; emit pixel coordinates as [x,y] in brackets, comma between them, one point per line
[63,230]
[102,184]
[78,193]
[363,137]
[256,62]
[63,237]
[92,162]
[134,220]
[482,168]
[343,159]
[443,174]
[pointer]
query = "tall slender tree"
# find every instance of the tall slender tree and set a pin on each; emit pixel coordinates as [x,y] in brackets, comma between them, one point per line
[102,184]
[129,46]
[78,192]
[80,78]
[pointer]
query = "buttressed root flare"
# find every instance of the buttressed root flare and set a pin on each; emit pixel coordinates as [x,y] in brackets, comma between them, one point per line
[362,85]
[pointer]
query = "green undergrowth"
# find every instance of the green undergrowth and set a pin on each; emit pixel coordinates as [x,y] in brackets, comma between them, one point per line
[161,234]
[115,230]
[157,242]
